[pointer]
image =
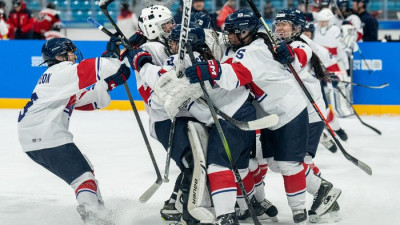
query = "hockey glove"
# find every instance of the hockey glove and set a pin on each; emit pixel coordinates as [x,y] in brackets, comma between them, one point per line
[137,39]
[139,57]
[202,71]
[118,78]
[284,53]
[112,50]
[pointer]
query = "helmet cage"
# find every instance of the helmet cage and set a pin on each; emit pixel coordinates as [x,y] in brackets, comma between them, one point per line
[153,19]
[196,36]
[59,47]
[295,18]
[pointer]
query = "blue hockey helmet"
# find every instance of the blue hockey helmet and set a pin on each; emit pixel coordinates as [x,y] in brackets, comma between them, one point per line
[58,47]
[343,4]
[196,36]
[293,16]
[202,19]
[310,28]
[243,23]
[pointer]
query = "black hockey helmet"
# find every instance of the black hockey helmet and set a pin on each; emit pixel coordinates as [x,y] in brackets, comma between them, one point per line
[196,36]
[292,16]
[241,22]
[58,47]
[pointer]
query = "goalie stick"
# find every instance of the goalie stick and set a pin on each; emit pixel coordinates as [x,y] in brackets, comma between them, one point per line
[183,36]
[358,117]
[225,143]
[150,191]
[364,167]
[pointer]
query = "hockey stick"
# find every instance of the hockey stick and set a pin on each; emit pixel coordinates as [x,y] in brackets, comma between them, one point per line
[187,8]
[367,169]
[373,128]
[225,143]
[359,85]
[258,124]
[150,191]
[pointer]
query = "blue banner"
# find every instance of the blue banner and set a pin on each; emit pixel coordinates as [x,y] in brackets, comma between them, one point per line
[382,60]
[20,71]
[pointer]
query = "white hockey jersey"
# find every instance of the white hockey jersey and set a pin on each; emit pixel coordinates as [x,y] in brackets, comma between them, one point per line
[306,73]
[274,86]
[329,37]
[228,101]
[146,79]
[63,87]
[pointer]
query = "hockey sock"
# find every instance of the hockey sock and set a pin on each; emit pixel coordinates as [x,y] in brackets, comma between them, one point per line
[86,193]
[309,161]
[223,189]
[313,181]
[263,167]
[295,184]
[248,183]
[178,181]
[258,180]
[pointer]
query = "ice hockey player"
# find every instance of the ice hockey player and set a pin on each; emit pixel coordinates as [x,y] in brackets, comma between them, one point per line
[156,23]
[288,27]
[331,66]
[236,103]
[69,84]
[329,36]
[274,86]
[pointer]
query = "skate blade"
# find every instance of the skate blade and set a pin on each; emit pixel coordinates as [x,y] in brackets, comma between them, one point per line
[329,217]
[263,218]
[332,196]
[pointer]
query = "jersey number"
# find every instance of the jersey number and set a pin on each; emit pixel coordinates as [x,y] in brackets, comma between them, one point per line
[34,97]
[239,54]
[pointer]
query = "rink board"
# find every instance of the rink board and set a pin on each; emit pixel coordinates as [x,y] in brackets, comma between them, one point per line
[20,73]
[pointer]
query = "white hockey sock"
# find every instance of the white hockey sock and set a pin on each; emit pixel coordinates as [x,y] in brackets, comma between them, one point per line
[258,179]
[313,182]
[86,193]
[223,189]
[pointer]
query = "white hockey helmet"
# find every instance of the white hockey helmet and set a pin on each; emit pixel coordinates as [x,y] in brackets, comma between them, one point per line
[152,19]
[325,15]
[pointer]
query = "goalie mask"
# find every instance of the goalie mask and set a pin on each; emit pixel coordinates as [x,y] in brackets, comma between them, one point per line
[288,25]
[59,47]
[156,22]
[240,28]
[196,37]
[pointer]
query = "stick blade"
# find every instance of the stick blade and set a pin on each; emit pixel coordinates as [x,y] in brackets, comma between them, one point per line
[264,122]
[150,192]
[367,169]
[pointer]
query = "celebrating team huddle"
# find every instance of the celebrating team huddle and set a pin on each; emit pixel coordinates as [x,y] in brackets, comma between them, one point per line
[187,74]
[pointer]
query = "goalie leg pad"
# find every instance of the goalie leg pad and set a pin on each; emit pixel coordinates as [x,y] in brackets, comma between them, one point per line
[199,197]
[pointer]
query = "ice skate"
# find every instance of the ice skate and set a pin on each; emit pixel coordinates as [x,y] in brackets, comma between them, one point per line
[327,141]
[342,134]
[95,215]
[227,219]
[324,199]
[265,207]
[331,216]
[170,214]
[300,216]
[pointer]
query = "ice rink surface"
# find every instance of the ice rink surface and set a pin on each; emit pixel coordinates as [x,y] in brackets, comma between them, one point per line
[30,195]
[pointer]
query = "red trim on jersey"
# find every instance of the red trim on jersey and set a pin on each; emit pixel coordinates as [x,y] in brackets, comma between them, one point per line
[87,73]
[221,180]
[258,92]
[248,184]
[89,184]
[243,74]
[301,56]
[258,132]
[145,93]
[333,68]
[333,51]
[229,61]
[162,71]
[359,36]
[88,107]
[295,183]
